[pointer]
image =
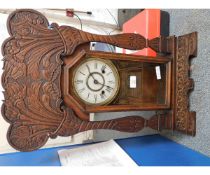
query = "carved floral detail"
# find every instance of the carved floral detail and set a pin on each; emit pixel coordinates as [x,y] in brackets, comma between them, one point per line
[186,48]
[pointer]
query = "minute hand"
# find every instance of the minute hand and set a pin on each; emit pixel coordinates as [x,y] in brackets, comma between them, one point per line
[90,72]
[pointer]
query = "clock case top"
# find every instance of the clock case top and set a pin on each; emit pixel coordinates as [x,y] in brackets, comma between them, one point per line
[38,57]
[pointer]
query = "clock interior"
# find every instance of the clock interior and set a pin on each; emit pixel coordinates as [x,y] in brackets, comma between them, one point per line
[141,83]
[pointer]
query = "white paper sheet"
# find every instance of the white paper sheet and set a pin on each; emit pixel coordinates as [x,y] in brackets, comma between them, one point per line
[107,153]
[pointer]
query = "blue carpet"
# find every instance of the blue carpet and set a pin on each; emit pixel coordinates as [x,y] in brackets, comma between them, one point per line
[152,150]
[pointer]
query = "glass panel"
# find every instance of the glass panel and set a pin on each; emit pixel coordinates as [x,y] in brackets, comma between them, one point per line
[150,83]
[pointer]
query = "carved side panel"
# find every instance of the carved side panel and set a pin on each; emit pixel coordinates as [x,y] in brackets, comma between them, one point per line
[31,80]
[185,120]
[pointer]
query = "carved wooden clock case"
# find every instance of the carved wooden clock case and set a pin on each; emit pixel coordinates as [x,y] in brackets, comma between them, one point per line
[53,81]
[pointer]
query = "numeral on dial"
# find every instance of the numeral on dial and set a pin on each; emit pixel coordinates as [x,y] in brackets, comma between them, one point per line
[109,73]
[79,81]
[108,89]
[95,65]
[82,73]
[81,90]
[111,82]
[95,97]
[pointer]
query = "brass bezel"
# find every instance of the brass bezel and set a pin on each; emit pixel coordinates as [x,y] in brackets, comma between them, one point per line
[115,72]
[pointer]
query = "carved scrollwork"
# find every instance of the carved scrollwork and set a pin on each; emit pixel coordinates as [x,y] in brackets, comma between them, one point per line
[184,120]
[32,68]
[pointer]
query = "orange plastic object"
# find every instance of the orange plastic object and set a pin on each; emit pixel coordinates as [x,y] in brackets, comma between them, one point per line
[146,23]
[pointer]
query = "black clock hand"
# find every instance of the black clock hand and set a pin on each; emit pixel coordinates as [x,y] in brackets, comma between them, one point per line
[90,72]
[105,85]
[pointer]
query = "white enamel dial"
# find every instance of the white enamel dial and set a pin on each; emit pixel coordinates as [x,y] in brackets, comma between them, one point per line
[96,81]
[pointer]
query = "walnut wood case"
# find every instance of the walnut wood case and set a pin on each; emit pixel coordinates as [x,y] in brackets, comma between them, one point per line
[39,102]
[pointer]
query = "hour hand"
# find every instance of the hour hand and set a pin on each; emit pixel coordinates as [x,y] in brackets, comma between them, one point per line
[105,85]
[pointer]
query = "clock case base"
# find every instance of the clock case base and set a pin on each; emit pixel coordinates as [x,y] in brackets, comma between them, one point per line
[36,105]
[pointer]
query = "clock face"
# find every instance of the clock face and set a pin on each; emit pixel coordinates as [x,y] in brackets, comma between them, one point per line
[96,81]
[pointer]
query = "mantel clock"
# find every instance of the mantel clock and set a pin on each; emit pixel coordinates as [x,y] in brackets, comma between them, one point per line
[52,81]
